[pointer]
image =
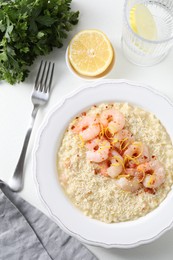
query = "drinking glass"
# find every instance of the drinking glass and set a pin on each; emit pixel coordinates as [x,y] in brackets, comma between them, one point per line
[139,50]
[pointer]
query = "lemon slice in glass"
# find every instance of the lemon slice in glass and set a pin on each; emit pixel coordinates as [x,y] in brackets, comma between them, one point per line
[142,22]
[90,53]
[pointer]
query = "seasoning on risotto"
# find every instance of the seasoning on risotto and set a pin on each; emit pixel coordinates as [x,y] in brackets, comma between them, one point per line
[115,162]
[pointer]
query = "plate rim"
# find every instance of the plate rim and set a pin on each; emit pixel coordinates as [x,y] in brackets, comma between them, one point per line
[39,133]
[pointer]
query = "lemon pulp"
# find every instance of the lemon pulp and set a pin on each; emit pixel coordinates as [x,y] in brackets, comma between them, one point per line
[90,52]
[142,22]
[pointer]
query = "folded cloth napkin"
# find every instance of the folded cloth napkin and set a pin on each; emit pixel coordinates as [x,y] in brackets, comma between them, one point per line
[27,234]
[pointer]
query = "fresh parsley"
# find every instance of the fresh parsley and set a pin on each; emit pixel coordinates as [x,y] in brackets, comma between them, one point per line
[29,28]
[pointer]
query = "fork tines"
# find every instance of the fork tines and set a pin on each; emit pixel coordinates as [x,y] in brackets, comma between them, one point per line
[44,77]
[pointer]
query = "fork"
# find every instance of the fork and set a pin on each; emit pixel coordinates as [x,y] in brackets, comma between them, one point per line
[39,97]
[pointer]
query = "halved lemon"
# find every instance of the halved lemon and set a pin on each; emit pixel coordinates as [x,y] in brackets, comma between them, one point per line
[90,53]
[142,22]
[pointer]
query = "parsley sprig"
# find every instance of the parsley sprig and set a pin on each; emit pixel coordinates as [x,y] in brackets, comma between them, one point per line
[29,28]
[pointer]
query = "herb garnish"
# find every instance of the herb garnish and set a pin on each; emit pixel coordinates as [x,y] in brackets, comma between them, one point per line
[29,28]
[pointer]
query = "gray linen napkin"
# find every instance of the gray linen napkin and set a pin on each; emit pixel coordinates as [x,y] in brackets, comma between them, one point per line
[27,234]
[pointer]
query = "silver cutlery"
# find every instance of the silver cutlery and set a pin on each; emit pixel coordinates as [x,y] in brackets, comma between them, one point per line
[40,96]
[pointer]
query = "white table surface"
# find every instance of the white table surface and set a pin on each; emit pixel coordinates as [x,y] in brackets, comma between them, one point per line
[15,109]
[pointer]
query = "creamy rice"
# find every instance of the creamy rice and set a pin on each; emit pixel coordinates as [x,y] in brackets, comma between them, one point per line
[98,196]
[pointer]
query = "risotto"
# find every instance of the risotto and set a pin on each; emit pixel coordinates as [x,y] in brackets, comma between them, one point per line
[115,167]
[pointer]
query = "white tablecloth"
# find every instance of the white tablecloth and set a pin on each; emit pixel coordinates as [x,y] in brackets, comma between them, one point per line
[15,109]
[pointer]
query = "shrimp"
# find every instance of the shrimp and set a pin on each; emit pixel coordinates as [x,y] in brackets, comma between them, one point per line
[98,150]
[128,185]
[154,174]
[88,128]
[116,166]
[111,167]
[103,166]
[136,153]
[122,139]
[113,119]
[138,175]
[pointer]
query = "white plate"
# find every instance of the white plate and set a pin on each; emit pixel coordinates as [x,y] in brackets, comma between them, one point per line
[70,219]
